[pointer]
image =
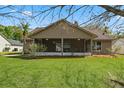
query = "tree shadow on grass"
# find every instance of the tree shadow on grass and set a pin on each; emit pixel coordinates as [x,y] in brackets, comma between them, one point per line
[45,57]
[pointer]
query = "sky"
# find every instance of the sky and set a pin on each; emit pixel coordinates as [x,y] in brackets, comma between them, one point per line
[28,11]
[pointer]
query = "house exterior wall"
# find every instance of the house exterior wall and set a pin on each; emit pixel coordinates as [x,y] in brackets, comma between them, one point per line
[20,48]
[118,46]
[3,43]
[106,46]
[62,30]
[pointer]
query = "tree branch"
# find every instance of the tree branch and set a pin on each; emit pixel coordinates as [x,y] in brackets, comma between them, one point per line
[113,10]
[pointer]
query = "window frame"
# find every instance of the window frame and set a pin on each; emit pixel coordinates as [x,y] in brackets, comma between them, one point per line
[97,46]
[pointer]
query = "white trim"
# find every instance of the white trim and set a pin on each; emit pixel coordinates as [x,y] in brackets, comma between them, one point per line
[64,54]
[97,51]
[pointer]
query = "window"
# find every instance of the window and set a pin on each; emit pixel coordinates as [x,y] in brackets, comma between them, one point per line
[15,49]
[97,46]
[67,47]
[6,49]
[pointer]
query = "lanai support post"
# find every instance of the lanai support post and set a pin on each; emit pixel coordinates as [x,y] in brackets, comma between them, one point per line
[62,46]
[91,44]
[84,45]
[33,41]
[41,43]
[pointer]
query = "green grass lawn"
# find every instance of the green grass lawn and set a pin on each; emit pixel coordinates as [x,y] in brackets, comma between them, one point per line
[60,72]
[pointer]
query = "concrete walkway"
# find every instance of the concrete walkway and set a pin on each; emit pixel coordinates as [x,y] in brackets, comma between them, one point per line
[12,55]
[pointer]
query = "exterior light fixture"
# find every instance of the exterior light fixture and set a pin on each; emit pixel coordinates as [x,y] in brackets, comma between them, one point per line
[46,39]
[78,39]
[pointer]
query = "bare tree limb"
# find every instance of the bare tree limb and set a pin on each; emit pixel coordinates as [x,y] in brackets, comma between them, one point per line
[113,10]
[75,11]
[93,18]
[47,10]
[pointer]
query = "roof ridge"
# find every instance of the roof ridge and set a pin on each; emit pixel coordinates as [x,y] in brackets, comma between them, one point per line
[34,32]
[9,40]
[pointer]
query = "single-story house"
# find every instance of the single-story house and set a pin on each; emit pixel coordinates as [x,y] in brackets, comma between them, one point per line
[118,46]
[9,45]
[64,38]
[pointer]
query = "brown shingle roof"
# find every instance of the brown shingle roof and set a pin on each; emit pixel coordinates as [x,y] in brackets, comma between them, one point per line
[37,30]
[101,35]
[98,34]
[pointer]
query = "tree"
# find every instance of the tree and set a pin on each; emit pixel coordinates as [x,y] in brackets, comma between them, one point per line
[17,33]
[8,32]
[115,9]
[110,12]
[103,18]
[71,10]
[1,28]
[103,29]
[11,32]
[25,28]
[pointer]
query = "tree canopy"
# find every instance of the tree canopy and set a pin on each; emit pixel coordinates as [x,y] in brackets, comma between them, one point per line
[11,32]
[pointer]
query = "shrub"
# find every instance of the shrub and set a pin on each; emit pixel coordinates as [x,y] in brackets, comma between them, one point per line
[36,48]
[42,48]
[6,49]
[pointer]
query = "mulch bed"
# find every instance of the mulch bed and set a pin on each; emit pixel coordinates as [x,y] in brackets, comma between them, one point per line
[107,56]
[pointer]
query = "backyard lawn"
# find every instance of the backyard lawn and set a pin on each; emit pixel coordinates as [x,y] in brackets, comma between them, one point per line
[60,72]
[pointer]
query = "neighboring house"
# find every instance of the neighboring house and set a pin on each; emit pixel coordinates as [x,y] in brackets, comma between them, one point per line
[8,45]
[118,46]
[67,39]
